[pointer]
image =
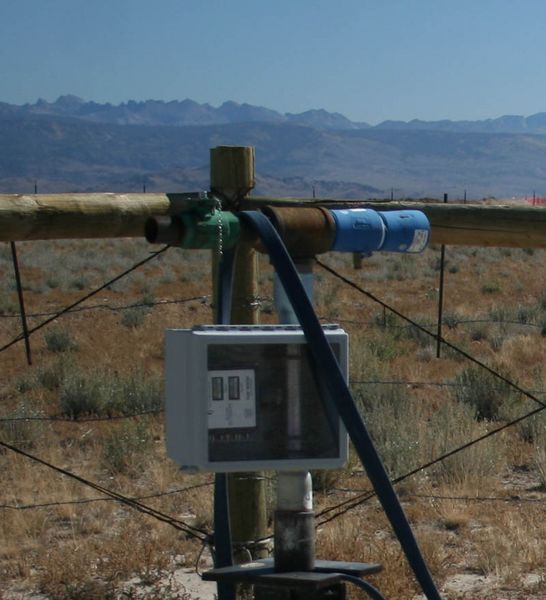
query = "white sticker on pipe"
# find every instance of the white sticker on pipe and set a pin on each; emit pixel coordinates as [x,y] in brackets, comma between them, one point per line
[420,240]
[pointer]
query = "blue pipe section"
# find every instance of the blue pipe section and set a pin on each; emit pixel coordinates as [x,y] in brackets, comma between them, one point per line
[338,397]
[366,230]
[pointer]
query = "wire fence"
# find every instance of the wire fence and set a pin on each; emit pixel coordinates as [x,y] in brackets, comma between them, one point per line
[328,514]
[190,530]
[80,501]
[119,308]
[75,304]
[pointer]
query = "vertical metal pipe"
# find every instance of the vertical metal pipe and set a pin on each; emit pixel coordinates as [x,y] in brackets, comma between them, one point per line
[294,523]
[21,301]
[441,295]
[294,516]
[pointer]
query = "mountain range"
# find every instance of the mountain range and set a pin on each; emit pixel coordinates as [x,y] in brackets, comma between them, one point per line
[74,145]
[188,112]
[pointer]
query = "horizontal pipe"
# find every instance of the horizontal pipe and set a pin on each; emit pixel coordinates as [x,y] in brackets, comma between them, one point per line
[79,216]
[456,224]
[75,216]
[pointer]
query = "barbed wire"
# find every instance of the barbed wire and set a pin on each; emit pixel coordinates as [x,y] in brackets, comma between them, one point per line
[348,505]
[188,529]
[453,347]
[451,324]
[423,384]
[143,304]
[62,419]
[93,500]
[440,497]
[342,508]
[84,298]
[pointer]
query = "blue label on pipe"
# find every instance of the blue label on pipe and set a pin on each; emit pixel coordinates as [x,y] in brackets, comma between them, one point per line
[366,230]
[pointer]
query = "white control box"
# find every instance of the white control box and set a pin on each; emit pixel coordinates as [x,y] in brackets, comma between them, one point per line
[244,397]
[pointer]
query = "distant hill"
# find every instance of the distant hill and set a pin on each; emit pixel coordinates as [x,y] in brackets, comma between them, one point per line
[73,145]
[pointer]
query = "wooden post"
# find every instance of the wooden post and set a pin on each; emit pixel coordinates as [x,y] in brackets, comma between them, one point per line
[232,177]
[21,301]
[441,295]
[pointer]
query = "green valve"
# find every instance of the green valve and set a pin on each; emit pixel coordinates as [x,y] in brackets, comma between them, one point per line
[199,224]
[217,229]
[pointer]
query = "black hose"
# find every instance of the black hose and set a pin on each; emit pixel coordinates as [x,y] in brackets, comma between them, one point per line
[364,585]
[339,398]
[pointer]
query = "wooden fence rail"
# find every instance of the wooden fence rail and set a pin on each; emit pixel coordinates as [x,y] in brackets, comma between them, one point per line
[74,216]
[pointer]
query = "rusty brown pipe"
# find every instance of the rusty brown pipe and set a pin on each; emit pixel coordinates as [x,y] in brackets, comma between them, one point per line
[305,231]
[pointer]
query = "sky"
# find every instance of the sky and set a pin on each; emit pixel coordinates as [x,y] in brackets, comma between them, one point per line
[370,60]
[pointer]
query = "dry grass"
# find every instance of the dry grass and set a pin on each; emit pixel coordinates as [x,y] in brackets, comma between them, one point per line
[91,550]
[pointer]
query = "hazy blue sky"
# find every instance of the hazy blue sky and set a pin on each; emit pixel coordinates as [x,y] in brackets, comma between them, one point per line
[368,59]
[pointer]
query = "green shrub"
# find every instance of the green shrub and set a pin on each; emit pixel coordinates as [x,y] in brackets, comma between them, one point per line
[80,395]
[484,393]
[59,340]
[526,314]
[104,393]
[452,319]
[385,318]
[407,434]
[125,448]
[393,428]
[134,317]
[20,432]
[490,287]
[420,337]
[26,382]
[499,313]
[8,305]
[453,426]
[478,332]
[79,283]
[50,377]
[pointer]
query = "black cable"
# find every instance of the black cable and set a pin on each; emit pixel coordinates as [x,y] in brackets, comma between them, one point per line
[433,335]
[92,500]
[84,298]
[363,585]
[189,530]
